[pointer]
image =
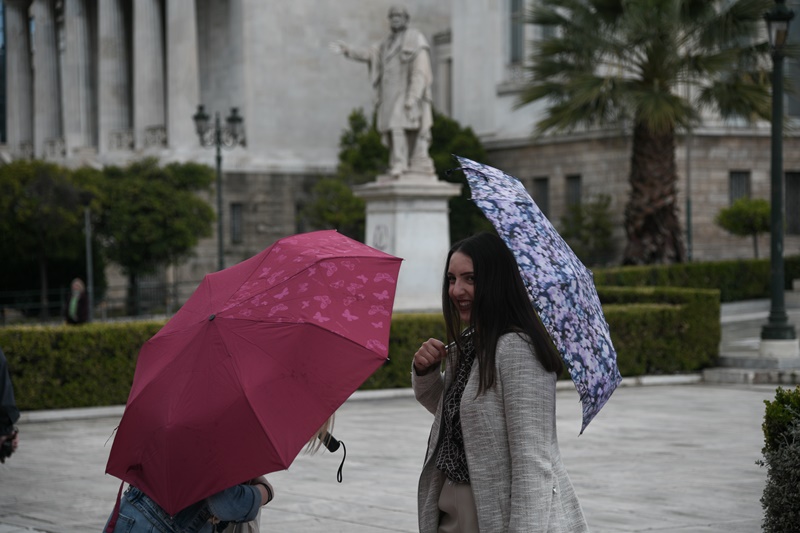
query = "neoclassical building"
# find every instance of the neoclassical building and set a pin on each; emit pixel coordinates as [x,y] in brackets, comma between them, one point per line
[96,82]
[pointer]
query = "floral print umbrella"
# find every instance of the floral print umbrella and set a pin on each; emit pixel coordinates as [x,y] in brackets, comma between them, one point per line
[560,287]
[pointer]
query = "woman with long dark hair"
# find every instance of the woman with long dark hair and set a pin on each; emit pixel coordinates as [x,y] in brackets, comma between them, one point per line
[493,462]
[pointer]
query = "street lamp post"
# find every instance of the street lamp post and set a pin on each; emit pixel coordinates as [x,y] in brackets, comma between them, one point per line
[218,135]
[778,337]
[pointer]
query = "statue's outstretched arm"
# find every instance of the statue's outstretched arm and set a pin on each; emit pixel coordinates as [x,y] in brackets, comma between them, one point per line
[350,52]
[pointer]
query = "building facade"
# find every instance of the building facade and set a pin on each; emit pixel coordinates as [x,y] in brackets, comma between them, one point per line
[718,163]
[99,82]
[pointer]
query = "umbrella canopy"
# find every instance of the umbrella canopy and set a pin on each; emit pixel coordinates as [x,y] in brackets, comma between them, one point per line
[560,287]
[257,359]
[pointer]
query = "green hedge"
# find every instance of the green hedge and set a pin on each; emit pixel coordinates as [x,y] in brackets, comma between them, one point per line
[654,330]
[742,279]
[66,366]
[407,333]
[781,497]
[662,330]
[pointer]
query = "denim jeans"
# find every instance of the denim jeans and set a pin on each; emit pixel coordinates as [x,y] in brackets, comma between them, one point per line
[140,514]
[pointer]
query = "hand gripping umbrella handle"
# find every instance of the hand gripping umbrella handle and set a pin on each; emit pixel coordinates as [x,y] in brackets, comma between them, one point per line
[332,445]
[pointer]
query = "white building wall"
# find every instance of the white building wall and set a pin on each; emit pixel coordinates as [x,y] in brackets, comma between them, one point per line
[299,93]
[486,87]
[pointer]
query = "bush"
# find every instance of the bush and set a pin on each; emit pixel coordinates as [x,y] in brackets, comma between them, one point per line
[55,367]
[781,497]
[654,330]
[682,325]
[407,333]
[778,417]
[747,217]
[740,279]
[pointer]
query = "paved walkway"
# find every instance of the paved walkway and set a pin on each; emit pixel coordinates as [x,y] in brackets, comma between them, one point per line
[666,458]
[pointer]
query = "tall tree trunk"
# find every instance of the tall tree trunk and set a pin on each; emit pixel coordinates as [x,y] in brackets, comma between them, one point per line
[651,218]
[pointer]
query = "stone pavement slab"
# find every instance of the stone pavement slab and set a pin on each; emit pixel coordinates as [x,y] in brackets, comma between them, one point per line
[666,458]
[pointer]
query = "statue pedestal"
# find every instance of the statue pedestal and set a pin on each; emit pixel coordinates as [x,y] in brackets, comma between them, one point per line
[408,218]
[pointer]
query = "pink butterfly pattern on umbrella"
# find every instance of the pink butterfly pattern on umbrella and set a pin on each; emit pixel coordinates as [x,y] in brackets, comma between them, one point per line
[262,353]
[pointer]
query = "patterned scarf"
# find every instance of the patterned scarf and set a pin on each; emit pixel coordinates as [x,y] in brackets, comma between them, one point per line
[451,459]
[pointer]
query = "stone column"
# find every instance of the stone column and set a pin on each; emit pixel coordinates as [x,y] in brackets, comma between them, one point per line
[78,112]
[183,81]
[149,122]
[114,89]
[408,218]
[46,98]
[19,79]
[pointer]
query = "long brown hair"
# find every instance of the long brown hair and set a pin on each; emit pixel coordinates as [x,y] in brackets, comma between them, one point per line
[500,305]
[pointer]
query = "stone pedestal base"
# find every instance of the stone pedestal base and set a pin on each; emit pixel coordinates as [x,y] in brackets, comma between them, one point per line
[779,349]
[408,218]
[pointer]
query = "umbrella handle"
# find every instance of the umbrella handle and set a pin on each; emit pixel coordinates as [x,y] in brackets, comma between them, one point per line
[332,445]
[330,442]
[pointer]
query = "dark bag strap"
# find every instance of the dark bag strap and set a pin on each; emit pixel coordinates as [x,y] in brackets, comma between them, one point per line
[112,522]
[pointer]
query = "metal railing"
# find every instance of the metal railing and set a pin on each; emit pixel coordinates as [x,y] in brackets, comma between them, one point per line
[153,298]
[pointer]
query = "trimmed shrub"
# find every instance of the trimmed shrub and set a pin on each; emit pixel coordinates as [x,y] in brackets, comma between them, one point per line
[743,279]
[682,325]
[781,497]
[54,367]
[407,333]
[747,217]
[654,330]
[779,415]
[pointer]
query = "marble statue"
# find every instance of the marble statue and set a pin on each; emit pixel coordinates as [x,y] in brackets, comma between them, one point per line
[401,74]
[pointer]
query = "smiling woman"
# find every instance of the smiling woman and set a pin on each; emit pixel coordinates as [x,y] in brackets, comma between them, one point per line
[461,281]
[493,406]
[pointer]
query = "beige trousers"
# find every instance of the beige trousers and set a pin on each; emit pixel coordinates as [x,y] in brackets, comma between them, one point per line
[457,509]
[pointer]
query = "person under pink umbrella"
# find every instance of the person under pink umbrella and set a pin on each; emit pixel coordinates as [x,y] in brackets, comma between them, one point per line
[138,513]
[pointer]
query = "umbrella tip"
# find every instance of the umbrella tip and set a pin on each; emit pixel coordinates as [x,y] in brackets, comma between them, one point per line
[212,317]
[449,171]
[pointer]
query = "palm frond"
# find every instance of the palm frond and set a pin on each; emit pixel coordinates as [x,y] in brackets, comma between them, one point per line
[616,58]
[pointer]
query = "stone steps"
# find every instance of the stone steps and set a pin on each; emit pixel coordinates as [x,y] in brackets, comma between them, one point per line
[740,361]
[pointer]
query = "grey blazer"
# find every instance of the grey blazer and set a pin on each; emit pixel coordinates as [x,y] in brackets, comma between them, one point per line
[516,473]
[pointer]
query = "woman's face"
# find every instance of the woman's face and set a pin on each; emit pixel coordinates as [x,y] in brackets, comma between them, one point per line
[462,284]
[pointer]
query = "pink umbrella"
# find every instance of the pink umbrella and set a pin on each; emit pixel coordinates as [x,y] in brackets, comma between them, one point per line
[262,353]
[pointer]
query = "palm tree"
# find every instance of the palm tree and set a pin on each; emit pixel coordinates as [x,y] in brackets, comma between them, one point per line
[651,66]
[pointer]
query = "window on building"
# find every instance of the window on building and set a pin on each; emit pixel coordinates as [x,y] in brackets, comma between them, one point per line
[237,236]
[738,185]
[573,189]
[541,193]
[517,33]
[792,203]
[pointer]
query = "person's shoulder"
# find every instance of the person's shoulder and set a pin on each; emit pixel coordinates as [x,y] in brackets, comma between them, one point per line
[514,341]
